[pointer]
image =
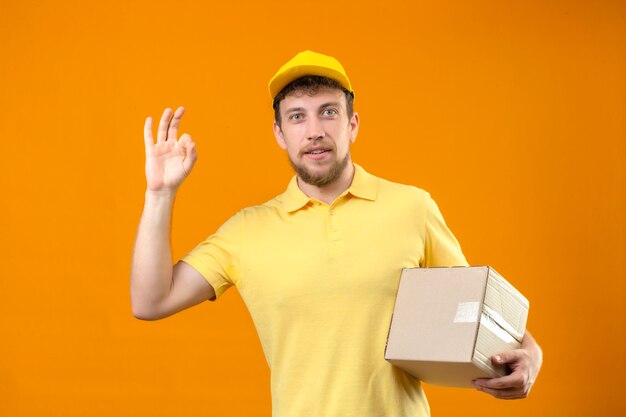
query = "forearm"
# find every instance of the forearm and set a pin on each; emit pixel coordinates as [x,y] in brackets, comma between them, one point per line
[151,269]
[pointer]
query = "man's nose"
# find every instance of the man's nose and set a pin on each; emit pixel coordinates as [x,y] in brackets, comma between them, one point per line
[315,130]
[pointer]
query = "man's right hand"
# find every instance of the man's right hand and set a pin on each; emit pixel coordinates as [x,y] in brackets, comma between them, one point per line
[157,289]
[168,161]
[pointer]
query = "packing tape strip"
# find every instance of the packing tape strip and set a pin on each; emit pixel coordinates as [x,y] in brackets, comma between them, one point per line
[488,323]
[498,320]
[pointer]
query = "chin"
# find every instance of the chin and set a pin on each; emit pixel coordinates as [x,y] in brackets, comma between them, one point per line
[321,176]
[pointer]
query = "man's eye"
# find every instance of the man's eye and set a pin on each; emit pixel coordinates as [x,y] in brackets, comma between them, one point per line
[296,116]
[330,112]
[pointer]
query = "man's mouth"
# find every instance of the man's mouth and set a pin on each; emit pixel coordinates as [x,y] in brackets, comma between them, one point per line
[318,153]
[317,150]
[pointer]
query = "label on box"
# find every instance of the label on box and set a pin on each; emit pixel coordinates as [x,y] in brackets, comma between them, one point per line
[467,312]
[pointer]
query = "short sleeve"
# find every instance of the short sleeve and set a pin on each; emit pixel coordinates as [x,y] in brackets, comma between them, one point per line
[217,258]
[441,247]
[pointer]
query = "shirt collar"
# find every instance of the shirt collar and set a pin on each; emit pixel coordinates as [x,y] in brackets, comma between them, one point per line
[364,185]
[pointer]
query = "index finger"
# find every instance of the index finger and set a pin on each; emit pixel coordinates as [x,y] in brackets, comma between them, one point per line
[514,380]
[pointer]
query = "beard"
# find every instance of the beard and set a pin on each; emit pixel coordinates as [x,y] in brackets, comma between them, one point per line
[320,180]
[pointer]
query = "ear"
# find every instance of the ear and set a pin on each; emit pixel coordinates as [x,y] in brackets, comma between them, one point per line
[354,126]
[278,134]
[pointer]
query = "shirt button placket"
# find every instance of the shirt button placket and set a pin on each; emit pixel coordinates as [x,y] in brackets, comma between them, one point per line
[334,227]
[335,241]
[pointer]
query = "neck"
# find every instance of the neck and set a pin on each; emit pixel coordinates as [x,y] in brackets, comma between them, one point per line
[329,192]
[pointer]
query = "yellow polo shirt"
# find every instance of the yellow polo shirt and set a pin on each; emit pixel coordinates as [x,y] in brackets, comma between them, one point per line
[320,283]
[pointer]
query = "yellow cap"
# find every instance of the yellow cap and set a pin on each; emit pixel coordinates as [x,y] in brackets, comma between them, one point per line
[308,63]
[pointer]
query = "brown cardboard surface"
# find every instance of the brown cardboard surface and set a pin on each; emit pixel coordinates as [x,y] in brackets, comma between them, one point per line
[448,322]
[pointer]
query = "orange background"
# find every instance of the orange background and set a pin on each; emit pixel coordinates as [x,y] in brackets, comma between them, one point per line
[512,114]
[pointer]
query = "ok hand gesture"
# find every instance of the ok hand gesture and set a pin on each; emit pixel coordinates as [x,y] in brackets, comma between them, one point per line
[168,161]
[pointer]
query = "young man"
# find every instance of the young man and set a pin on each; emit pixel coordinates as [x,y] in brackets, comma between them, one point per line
[318,266]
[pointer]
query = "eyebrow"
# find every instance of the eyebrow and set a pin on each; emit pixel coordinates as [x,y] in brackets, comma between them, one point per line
[294,109]
[323,106]
[330,103]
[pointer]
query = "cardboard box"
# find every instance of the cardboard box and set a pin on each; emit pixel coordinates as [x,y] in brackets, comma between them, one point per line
[448,322]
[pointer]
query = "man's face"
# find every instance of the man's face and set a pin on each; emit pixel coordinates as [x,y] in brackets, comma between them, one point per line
[317,134]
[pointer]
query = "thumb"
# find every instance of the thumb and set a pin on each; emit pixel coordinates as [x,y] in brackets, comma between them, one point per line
[504,357]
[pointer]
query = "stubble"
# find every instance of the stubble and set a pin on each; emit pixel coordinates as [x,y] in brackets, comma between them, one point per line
[320,180]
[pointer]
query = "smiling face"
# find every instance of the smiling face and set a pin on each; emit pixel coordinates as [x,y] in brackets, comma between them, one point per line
[316,133]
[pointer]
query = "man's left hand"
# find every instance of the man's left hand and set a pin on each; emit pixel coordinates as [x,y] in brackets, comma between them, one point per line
[524,363]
